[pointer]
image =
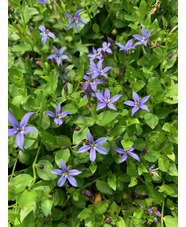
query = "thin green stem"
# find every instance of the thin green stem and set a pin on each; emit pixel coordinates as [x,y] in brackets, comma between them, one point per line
[34,167]
[162,211]
[13,170]
[141,179]
[108,15]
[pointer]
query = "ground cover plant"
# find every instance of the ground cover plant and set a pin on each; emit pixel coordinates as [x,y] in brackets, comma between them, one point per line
[92,113]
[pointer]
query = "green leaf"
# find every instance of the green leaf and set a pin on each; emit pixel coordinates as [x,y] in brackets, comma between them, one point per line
[114,208]
[111,180]
[45,173]
[79,135]
[151,119]
[85,213]
[27,203]
[126,144]
[19,182]
[71,108]
[138,85]
[28,220]
[120,222]
[62,154]
[46,206]
[170,221]
[93,167]
[102,207]
[153,86]
[163,163]
[152,156]
[48,140]
[63,141]
[165,188]
[133,182]
[103,187]
[106,117]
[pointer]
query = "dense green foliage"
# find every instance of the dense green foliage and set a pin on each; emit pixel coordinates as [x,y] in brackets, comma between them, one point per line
[117,190]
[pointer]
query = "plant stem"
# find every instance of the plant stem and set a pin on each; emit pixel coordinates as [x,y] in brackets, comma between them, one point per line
[13,170]
[34,165]
[162,211]
[108,15]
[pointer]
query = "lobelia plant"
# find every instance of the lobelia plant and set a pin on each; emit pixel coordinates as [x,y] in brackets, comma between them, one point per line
[135,193]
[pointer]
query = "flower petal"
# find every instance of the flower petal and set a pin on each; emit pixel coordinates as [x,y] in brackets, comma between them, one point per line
[100,97]
[68,15]
[101,150]
[56,50]
[101,140]
[70,25]
[135,97]
[78,12]
[20,140]
[72,181]
[29,129]
[107,69]
[76,27]
[86,77]
[111,106]
[115,98]
[58,108]
[93,86]
[61,50]
[143,31]
[84,149]
[124,158]
[144,99]
[51,35]
[149,33]
[135,156]
[144,107]
[56,171]
[58,121]
[136,108]
[101,105]
[129,43]
[51,56]
[64,114]
[120,150]
[12,120]
[138,37]
[12,131]
[121,46]
[81,22]
[25,119]
[63,165]
[90,137]
[49,113]
[129,103]
[42,28]
[74,172]
[131,149]
[61,181]
[92,155]
[44,39]
[107,94]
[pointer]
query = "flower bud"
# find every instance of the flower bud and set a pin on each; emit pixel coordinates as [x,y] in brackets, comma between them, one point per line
[46,219]
[88,193]
[41,166]
[148,223]
[110,40]
[108,220]
[65,88]
[170,55]
[50,196]
[143,150]
[26,187]
[77,128]
[38,62]
[114,32]
[124,90]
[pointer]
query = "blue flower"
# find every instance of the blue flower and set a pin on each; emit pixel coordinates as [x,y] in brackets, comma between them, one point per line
[58,55]
[137,103]
[45,33]
[97,70]
[144,38]
[105,48]
[75,20]
[125,154]
[96,54]
[66,173]
[62,74]
[127,47]
[94,146]
[106,100]
[91,85]
[21,129]
[57,116]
